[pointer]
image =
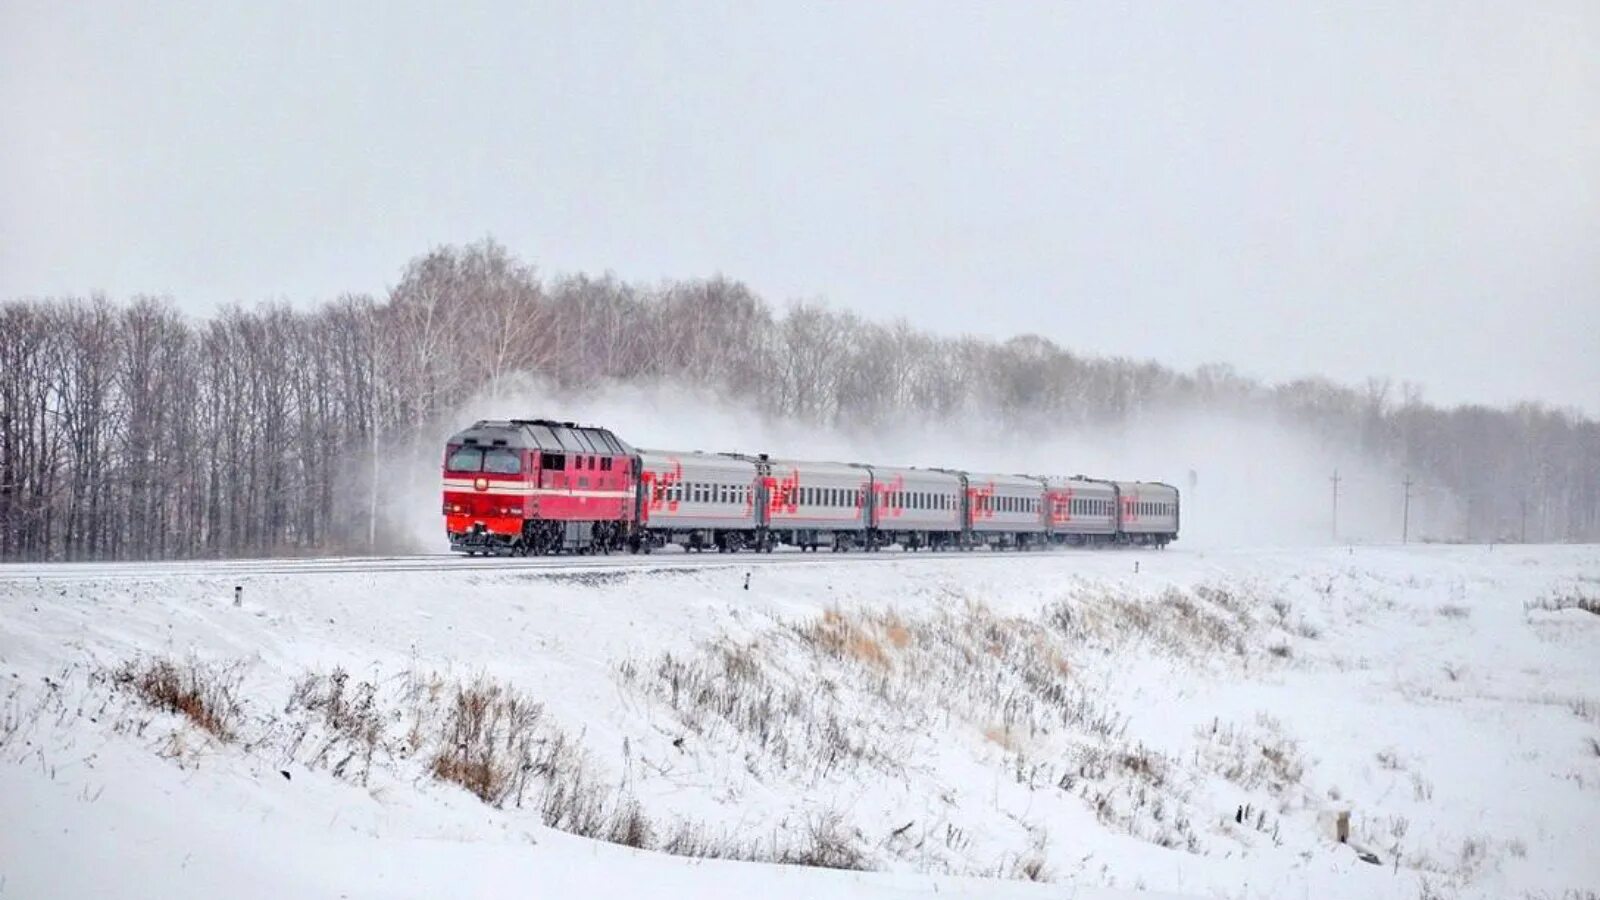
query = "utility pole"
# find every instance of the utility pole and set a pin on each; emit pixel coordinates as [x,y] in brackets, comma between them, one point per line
[1524,520]
[1335,480]
[1405,520]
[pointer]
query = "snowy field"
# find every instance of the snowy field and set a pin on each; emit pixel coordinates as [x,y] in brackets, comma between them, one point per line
[1183,722]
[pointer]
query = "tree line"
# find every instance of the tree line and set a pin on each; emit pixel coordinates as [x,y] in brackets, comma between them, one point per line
[130,431]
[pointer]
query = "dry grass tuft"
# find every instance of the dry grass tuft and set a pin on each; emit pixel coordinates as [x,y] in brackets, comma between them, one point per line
[897,634]
[1574,598]
[857,638]
[206,695]
[488,741]
[353,723]
[1001,737]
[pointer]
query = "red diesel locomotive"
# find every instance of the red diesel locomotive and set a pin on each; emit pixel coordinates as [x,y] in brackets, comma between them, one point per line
[529,486]
[534,486]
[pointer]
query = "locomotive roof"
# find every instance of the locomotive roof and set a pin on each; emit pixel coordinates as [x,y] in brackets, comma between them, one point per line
[542,434]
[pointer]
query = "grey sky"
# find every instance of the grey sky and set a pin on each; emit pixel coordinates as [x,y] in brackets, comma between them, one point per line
[1407,189]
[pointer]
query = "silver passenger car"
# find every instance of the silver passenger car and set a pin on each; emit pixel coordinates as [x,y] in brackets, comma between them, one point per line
[1147,512]
[916,508]
[699,500]
[1005,510]
[811,504]
[1080,510]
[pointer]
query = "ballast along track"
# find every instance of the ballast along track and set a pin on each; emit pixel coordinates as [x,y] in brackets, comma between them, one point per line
[532,487]
[22,573]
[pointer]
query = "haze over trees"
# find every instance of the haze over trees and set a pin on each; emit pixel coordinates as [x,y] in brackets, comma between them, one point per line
[129,431]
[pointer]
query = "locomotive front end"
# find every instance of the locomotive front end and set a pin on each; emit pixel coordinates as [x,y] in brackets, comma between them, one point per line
[489,477]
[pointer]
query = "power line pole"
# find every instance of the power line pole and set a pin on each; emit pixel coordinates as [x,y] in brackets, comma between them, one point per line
[1405,521]
[1335,480]
[1524,520]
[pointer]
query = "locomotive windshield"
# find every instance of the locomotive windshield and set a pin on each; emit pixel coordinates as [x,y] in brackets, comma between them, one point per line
[493,460]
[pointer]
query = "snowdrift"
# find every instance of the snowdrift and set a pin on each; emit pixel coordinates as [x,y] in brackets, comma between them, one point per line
[1198,724]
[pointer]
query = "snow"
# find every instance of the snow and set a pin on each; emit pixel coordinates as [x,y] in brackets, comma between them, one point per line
[1428,691]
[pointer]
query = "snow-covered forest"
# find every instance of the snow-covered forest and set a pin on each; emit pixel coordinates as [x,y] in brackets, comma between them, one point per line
[129,430]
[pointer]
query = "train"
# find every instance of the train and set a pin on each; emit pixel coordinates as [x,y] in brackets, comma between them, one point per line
[522,487]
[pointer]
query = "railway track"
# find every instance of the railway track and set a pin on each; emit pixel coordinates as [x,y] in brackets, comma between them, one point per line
[446,562]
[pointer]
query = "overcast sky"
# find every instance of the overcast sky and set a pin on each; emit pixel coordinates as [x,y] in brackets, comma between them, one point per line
[1409,189]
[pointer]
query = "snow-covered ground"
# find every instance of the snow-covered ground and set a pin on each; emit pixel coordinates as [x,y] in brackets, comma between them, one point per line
[1185,722]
